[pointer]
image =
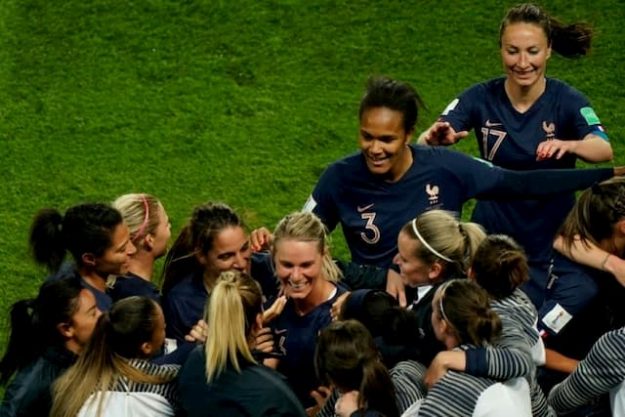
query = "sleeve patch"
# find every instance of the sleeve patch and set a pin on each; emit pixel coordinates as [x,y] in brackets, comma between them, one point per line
[590,116]
[557,318]
[310,204]
[450,107]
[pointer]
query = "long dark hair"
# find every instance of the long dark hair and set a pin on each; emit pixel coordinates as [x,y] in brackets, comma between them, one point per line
[570,41]
[34,324]
[346,356]
[595,213]
[85,228]
[197,236]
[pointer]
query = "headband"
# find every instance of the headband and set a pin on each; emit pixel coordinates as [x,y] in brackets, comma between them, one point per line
[145,219]
[424,243]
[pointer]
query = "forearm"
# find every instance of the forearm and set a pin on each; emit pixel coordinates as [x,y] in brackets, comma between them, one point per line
[589,254]
[593,149]
[558,362]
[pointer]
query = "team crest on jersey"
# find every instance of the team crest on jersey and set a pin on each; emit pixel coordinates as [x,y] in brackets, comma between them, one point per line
[432,192]
[550,130]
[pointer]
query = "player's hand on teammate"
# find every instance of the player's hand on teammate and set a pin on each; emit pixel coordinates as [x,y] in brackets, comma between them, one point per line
[320,395]
[347,404]
[441,133]
[337,306]
[198,332]
[275,310]
[263,341]
[260,239]
[395,287]
[555,149]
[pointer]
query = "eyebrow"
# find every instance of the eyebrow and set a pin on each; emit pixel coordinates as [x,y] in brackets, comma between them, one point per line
[121,246]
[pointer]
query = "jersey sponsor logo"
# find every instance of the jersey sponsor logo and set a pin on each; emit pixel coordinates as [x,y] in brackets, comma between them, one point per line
[491,124]
[372,234]
[432,191]
[310,204]
[364,208]
[590,116]
[450,107]
[550,129]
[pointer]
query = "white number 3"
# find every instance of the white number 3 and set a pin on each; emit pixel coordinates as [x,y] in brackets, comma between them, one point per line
[370,217]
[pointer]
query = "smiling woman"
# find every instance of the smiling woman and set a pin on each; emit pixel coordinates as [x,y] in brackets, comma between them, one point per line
[308,276]
[525,121]
[94,234]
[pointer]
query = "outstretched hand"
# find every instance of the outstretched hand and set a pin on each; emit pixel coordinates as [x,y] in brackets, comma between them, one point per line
[555,149]
[441,133]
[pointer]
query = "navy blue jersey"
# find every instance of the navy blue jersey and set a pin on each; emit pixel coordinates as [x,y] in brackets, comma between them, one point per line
[372,211]
[509,139]
[255,391]
[184,304]
[295,337]
[131,285]
[581,304]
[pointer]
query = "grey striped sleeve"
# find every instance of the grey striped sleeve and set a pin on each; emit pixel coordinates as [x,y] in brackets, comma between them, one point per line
[602,370]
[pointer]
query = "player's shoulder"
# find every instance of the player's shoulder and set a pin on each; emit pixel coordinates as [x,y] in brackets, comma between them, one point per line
[563,91]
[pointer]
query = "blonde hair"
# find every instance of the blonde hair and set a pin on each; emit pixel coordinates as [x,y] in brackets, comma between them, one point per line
[307,227]
[230,314]
[118,336]
[140,213]
[442,238]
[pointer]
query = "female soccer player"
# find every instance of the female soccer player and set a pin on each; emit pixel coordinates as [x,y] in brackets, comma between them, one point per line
[372,194]
[222,377]
[462,318]
[113,376]
[47,334]
[149,228]
[583,303]
[309,277]
[97,238]
[214,240]
[525,121]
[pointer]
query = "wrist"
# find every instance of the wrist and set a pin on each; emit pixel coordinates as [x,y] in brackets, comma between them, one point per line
[610,263]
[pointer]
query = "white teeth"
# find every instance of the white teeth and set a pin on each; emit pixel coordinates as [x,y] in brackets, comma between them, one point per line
[296,286]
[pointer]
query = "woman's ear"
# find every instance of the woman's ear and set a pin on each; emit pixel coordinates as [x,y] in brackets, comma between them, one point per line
[66,330]
[435,271]
[88,259]
[147,242]
[147,349]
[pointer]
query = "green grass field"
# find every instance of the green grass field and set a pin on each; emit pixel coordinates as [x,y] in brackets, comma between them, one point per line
[240,101]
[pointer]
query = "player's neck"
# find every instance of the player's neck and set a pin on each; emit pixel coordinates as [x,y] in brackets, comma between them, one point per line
[398,171]
[142,265]
[524,97]
[319,294]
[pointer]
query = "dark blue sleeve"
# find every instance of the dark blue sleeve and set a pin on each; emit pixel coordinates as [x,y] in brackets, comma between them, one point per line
[321,201]
[476,362]
[171,310]
[459,111]
[481,179]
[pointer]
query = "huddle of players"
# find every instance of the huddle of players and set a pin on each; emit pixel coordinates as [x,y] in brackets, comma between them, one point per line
[395,203]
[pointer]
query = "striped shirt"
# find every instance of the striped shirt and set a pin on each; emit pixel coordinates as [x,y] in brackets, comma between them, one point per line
[128,398]
[602,371]
[461,394]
